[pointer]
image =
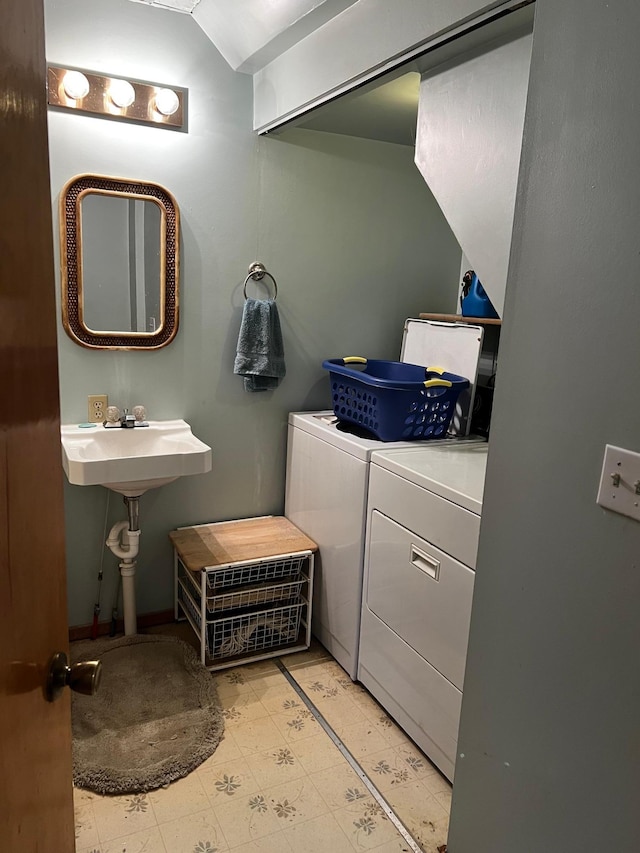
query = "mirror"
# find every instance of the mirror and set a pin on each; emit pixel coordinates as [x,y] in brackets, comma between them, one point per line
[120,263]
[121,241]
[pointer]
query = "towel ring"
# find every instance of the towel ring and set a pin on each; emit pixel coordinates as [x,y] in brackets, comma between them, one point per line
[257,272]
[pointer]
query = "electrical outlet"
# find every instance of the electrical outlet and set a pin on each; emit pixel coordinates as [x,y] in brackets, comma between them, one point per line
[97,407]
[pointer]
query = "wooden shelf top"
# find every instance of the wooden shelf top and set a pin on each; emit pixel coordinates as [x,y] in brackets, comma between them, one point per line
[206,546]
[458,318]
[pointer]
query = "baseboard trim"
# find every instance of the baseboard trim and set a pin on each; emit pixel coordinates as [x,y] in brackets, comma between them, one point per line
[145,620]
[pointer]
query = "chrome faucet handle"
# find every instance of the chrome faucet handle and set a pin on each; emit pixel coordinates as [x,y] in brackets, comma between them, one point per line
[139,413]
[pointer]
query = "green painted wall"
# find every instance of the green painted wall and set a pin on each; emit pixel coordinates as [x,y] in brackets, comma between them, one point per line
[347,227]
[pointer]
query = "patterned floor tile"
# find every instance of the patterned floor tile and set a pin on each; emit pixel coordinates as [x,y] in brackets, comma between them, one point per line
[335,705]
[391,732]
[362,739]
[276,843]
[258,735]
[398,845]
[444,798]
[246,819]
[363,700]
[320,683]
[279,697]
[261,668]
[334,670]
[295,802]
[366,825]
[317,753]
[81,797]
[420,812]
[118,816]
[296,725]
[227,750]
[228,781]
[340,786]
[139,842]
[387,769]
[302,660]
[328,696]
[201,833]
[179,800]
[275,766]
[86,829]
[436,783]
[320,835]
[262,674]
[232,683]
[421,767]
[241,709]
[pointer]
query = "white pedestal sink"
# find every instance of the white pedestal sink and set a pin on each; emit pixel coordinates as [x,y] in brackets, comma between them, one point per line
[131,461]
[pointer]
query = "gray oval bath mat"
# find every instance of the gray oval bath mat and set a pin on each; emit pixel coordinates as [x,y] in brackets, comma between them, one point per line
[155,718]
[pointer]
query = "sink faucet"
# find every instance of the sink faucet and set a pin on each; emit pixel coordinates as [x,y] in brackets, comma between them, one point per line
[126,420]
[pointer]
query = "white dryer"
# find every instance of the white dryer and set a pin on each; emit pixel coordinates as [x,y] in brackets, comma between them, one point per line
[423,523]
[327,480]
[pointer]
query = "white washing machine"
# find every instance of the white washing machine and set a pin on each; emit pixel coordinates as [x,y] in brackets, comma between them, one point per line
[423,523]
[328,477]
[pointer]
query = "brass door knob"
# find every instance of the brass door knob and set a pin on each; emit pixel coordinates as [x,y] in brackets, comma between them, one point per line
[83,677]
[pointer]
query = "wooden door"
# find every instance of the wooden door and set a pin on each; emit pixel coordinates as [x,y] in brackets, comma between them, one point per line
[36,806]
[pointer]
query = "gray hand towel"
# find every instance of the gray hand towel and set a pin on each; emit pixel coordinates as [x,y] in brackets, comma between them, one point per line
[260,352]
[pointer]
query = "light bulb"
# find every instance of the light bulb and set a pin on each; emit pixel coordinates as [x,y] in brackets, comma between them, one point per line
[166,102]
[75,85]
[122,93]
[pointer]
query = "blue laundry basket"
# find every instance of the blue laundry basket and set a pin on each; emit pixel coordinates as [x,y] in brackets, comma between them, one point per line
[394,400]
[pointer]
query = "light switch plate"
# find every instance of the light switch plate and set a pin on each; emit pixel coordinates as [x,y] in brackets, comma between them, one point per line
[620,482]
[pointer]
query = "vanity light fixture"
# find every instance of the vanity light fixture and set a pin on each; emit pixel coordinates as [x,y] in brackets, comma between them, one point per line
[117,98]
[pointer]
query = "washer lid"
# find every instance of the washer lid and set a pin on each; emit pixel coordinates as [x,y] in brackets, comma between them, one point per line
[325,426]
[456,347]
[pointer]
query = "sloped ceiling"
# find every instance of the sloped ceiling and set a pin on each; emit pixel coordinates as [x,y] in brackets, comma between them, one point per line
[250,33]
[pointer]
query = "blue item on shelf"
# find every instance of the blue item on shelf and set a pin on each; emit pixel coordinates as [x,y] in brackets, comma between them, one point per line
[474,300]
[392,399]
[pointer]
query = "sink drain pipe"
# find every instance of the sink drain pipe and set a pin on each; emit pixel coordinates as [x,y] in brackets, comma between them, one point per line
[124,542]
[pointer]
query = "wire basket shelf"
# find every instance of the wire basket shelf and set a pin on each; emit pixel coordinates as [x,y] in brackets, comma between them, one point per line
[257,571]
[248,631]
[246,596]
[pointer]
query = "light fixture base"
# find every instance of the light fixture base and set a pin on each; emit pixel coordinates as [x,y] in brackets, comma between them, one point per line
[100,100]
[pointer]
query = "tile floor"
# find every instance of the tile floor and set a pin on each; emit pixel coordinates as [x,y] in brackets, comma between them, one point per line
[277,783]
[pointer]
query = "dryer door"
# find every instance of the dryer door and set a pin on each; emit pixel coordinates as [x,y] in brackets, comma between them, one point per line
[422,594]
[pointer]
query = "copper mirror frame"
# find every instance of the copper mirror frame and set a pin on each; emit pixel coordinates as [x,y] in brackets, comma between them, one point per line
[71,261]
